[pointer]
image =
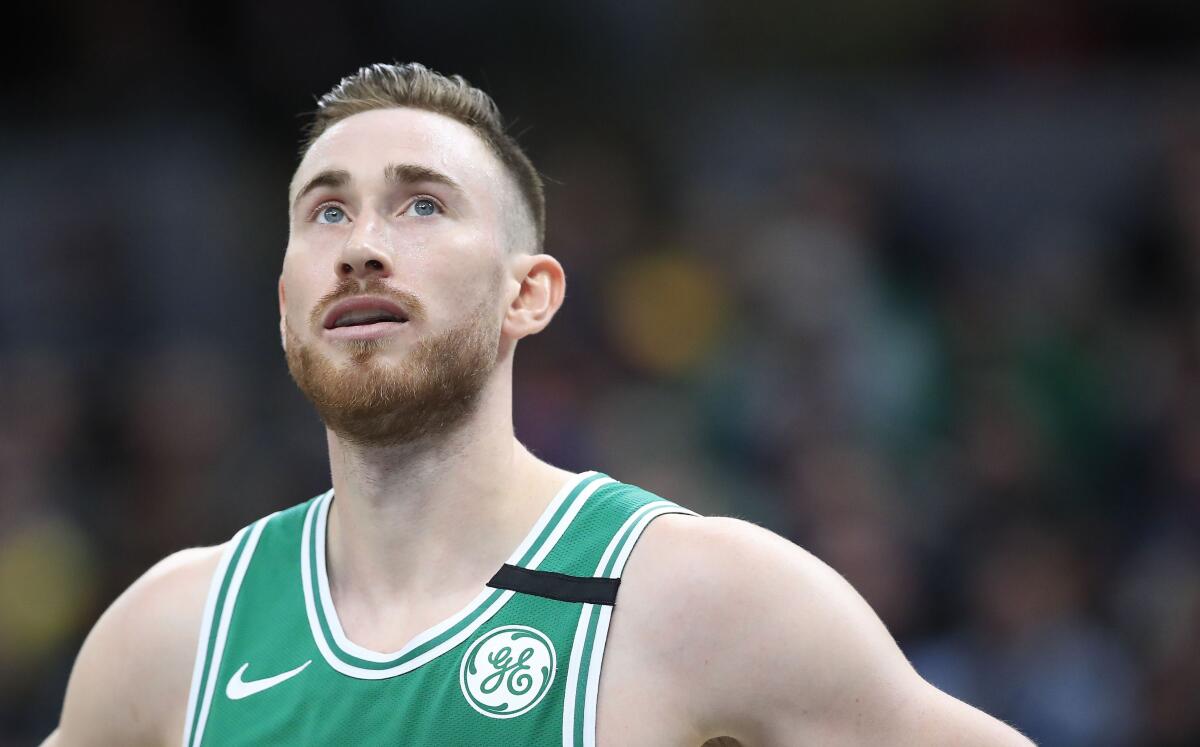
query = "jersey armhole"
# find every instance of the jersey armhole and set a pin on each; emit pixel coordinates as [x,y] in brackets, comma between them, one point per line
[214,627]
[591,634]
[204,643]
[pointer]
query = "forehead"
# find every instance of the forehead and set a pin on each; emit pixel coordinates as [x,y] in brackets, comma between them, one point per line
[364,143]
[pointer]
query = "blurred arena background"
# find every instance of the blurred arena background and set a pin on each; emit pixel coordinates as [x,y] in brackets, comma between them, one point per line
[913,284]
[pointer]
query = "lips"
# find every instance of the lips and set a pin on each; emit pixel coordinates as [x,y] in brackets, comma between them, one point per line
[364,310]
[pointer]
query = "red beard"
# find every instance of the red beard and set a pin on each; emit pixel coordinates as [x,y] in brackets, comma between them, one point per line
[431,392]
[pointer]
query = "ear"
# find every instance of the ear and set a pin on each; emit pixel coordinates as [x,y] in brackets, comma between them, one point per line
[282,316]
[542,284]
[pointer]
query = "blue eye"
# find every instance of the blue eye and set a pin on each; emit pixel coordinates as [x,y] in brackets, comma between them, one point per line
[425,207]
[331,214]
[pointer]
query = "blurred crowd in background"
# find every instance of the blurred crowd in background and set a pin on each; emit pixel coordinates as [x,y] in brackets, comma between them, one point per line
[916,285]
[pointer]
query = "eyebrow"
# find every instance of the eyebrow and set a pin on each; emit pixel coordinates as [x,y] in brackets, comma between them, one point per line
[327,178]
[393,173]
[408,173]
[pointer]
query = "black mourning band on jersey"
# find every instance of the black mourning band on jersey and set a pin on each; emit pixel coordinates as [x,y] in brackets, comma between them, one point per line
[560,586]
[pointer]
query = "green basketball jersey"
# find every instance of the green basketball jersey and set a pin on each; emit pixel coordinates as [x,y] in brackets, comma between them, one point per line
[520,665]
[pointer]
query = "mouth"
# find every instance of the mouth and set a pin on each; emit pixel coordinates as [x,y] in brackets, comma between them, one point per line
[364,312]
[364,317]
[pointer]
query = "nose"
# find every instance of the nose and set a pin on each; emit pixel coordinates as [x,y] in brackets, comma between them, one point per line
[361,256]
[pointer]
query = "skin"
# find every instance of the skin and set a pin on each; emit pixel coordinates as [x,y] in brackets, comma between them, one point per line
[722,629]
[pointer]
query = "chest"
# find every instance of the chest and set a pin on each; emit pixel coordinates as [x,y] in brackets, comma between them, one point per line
[534,672]
[521,664]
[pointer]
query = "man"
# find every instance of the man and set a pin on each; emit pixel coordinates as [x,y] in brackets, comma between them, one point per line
[400,612]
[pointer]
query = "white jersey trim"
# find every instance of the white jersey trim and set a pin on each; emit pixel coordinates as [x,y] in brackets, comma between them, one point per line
[210,605]
[569,696]
[318,513]
[235,585]
[639,520]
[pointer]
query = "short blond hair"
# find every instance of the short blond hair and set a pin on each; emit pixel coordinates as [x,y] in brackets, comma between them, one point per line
[382,86]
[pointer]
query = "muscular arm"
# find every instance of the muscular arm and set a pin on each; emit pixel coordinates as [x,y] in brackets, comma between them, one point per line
[775,648]
[130,682]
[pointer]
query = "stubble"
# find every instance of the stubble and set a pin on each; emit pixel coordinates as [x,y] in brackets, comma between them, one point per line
[429,393]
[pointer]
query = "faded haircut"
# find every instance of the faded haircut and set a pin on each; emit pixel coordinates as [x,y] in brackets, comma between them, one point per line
[413,85]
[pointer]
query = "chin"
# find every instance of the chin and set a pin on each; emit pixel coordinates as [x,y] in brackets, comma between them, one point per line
[375,352]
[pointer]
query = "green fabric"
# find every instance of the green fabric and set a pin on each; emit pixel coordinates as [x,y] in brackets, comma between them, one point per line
[500,675]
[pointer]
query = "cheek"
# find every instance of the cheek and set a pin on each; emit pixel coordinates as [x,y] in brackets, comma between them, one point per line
[298,284]
[453,261]
[468,277]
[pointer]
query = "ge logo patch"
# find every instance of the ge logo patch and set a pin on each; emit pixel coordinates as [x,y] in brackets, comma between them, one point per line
[507,671]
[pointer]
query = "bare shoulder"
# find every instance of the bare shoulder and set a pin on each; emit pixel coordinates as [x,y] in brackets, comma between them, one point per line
[672,605]
[696,565]
[764,642]
[694,580]
[130,681]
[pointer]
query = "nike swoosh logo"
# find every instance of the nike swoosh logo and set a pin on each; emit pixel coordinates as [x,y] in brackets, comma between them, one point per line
[239,688]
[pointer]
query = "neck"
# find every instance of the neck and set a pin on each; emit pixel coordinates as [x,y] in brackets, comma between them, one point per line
[434,518]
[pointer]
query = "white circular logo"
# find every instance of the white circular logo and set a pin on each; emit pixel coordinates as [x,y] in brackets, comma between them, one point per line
[507,671]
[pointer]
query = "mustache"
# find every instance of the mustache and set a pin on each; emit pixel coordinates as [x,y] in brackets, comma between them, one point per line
[347,288]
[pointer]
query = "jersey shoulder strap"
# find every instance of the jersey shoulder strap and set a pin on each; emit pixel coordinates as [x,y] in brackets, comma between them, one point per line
[222,597]
[595,547]
[586,567]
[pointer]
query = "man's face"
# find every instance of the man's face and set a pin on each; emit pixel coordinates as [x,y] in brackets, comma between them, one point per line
[390,296]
